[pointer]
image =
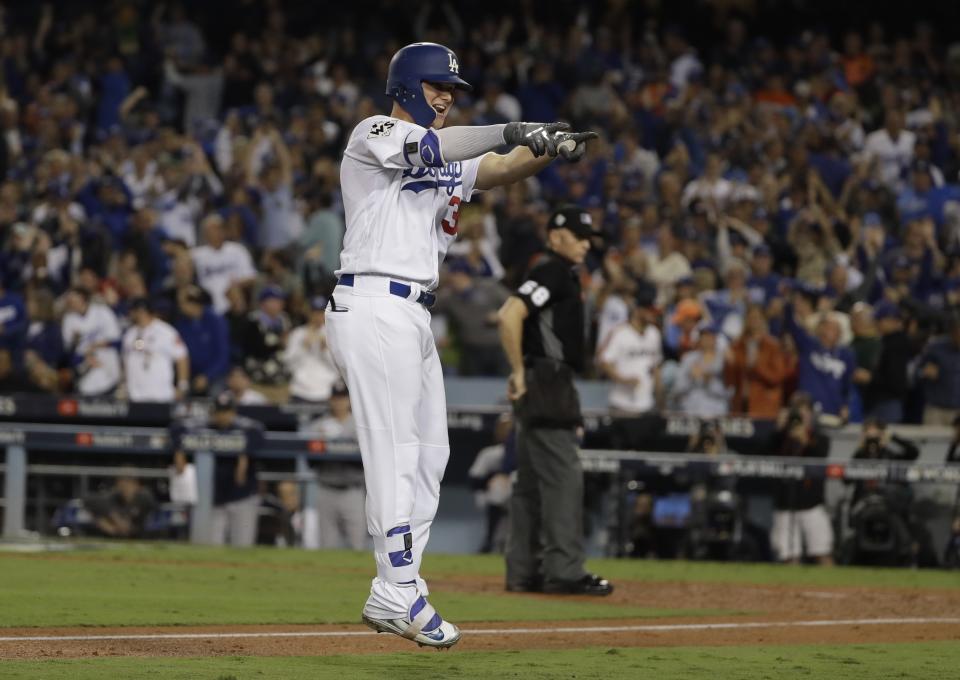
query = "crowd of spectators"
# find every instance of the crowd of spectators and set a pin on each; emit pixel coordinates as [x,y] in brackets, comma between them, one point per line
[783,208]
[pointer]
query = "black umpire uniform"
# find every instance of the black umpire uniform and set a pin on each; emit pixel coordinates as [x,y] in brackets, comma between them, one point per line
[545,549]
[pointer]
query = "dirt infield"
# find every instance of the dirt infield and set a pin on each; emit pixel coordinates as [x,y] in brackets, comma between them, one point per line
[762,615]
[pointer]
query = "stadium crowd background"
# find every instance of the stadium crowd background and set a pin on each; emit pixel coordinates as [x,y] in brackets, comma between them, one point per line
[782,203]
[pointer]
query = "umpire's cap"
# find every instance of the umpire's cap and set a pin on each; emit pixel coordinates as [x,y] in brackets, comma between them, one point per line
[414,64]
[573,218]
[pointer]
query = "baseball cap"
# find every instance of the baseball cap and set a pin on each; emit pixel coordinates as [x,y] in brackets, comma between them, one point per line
[709,327]
[645,296]
[920,215]
[318,303]
[140,303]
[111,181]
[762,250]
[458,265]
[809,289]
[272,292]
[886,310]
[224,401]
[737,239]
[57,189]
[573,218]
[687,310]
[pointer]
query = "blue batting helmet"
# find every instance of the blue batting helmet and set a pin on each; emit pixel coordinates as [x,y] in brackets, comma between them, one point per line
[414,64]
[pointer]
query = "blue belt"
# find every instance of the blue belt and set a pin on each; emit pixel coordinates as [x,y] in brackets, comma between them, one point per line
[396,288]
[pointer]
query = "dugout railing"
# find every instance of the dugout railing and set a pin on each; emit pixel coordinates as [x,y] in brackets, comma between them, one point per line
[26,443]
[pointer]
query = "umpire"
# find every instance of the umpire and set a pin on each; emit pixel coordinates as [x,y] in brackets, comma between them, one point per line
[542,332]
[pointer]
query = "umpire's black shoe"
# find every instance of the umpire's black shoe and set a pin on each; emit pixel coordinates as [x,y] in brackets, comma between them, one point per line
[589,584]
[532,586]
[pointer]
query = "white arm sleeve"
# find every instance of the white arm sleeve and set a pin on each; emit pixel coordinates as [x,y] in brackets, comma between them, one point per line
[464,142]
[397,144]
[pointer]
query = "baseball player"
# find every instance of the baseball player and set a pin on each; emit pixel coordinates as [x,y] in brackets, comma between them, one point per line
[237,441]
[404,178]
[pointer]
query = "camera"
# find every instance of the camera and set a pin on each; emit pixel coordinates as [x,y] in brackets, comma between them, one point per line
[709,437]
[794,418]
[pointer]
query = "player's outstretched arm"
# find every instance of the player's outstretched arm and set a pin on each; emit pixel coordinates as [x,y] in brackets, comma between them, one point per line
[463,142]
[539,145]
[501,169]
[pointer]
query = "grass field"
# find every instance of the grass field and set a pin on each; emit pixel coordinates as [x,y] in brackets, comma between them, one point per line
[932,661]
[183,585]
[166,585]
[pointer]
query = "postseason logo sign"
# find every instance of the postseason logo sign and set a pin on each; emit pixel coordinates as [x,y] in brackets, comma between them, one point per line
[215,443]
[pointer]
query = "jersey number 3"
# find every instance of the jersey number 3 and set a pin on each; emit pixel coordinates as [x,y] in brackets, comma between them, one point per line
[449,222]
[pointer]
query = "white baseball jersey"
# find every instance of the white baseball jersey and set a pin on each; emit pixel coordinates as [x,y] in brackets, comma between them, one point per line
[149,353]
[614,312]
[401,203]
[633,355]
[218,269]
[892,155]
[80,332]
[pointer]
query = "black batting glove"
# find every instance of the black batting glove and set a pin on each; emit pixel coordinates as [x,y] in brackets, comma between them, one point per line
[540,138]
[572,145]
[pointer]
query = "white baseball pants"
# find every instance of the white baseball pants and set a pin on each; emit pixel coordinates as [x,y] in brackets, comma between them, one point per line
[385,351]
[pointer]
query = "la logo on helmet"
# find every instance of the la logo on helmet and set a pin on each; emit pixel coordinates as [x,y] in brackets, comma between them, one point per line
[454,66]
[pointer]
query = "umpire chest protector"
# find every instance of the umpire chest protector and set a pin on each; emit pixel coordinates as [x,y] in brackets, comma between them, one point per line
[553,343]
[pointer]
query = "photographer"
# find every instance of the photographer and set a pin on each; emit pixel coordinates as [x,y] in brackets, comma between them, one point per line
[878,443]
[708,439]
[881,513]
[800,520]
[542,332]
[720,528]
[122,511]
